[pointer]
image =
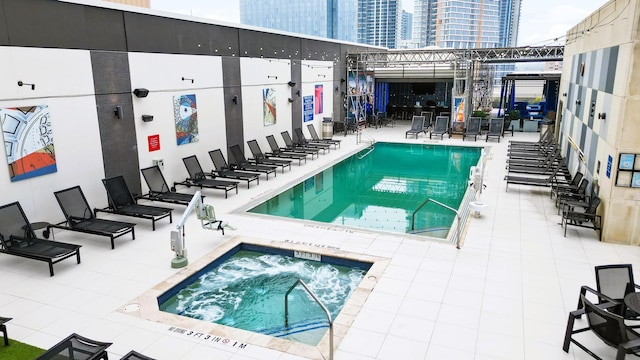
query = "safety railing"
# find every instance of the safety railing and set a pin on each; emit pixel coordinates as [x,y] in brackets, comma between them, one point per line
[360,133]
[457,234]
[315,298]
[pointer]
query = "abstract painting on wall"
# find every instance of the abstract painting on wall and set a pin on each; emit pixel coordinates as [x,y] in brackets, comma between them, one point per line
[268,106]
[185,113]
[28,140]
[319,97]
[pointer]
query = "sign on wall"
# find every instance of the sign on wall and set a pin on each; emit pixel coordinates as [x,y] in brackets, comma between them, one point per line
[28,140]
[154,142]
[185,112]
[307,108]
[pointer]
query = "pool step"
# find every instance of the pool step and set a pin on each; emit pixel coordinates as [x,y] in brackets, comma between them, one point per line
[296,328]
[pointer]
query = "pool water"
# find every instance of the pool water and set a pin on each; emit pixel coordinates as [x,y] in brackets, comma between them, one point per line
[246,291]
[380,189]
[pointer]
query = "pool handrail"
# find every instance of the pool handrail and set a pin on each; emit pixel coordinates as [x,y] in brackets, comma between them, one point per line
[315,298]
[458,233]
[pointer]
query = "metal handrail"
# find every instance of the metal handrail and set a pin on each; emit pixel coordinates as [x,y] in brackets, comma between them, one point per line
[315,298]
[457,234]
[359,134]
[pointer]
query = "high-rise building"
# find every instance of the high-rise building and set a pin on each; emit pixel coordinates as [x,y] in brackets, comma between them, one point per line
[379,22]
[334,19]
[407,25]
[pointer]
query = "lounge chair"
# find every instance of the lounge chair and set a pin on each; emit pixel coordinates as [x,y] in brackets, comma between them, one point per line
[78,347]
[428,120]
[473,128]
[417,127]
[79,217]
[291,146]
[495,129]
[566,197]
[159,190]
[314,137]
[134,355]
[222,169]
[440,127]
[571,186]
[241,163]
[18,238]
[198,178]
[260,158]
[507,126]
[545,181]
[121,202]
[3,329]
[587,218]
[277,151]
[302,140]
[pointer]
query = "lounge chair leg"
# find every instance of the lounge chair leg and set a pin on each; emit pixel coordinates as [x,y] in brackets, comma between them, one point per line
[50,268]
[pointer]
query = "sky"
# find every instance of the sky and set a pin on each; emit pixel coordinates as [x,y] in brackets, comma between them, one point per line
[541,21]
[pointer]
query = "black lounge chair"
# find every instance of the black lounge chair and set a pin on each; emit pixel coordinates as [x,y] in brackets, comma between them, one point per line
[290,146]
[545,181]
[277,151]
[18,238]
[474,126]
[440,127]
[507,126]
[260,158]
[567,187]
[198,178]
[3,330]
[565,198]
[301,140]
[587,218]
[223,169]
[495,129]
[159,190]
[417,126]
[428,120]
[79,217]
[121,202]
[316,138]
[78,347]
[134,355]
[241,163]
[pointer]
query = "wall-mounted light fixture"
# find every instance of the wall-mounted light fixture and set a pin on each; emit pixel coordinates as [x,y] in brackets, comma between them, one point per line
[291,84]
[141,92]
[20,83]
[234,99]
[272,77]
[578,102]
[602,116]
[185,79]
[564,94]
[342,80]
[147,118]
[291,100]
[118,112]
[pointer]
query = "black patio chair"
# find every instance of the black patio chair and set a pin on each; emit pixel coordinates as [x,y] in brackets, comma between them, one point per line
[260,158]
[507,126]
[587,218]
[79,217]
[198,178]
[3,330]
[18,238]
[495,129]
[440,127]
[277,151]
[567,198]
[222,169]
[606,325]
[238,160]
[316,138]
[134,355]
[122,202]
[77,347]
[428,120]
[571,186]
[473,129]
[417,126]
[291,146]
[614,281]
[301,140]
[159,190]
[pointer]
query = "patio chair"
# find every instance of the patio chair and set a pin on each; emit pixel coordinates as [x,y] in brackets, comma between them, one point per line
[260,158]
[428,120]
[566,187]
[241,163]
[277,151]
[3,330]
[301,140]
[18,238]
[222,169]
[314,137]
[507,126]
[606,325]
[613,281]
[587,218]
[440,127]
[134,355]
[291,146]
[159,190]
[350,124]
[495,129]
[198,178]
[79,217]
[417,126]
[473,128]
[121,202]
[533,180]
[75,346]
[565,198]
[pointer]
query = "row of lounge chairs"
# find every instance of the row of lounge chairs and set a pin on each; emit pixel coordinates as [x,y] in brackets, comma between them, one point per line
[76,346]
[540,164]
[440,127]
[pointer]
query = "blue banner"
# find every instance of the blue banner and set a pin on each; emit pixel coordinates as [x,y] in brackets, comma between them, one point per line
[307,108]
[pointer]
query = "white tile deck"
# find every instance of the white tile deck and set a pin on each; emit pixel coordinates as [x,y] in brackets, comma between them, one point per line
[504,295]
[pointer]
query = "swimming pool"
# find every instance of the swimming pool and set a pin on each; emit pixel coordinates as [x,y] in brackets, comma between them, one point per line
[381,189]
[245,289]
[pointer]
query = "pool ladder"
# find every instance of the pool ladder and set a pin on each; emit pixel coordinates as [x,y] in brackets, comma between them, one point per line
[315,298]
[458,233]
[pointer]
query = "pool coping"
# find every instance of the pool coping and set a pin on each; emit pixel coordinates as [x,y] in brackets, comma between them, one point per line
[145,306]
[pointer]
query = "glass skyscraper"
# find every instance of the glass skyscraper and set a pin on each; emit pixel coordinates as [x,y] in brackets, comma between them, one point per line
[333,19]
[379,22]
